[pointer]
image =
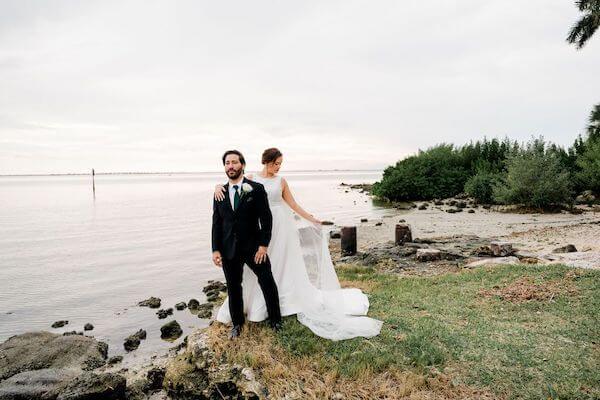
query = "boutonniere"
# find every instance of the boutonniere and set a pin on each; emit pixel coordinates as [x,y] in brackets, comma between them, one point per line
[246,188]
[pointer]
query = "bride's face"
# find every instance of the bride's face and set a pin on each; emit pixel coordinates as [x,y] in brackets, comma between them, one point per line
[273,167]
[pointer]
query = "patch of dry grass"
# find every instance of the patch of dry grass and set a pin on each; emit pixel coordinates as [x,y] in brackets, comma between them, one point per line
[527,289]
[307,377]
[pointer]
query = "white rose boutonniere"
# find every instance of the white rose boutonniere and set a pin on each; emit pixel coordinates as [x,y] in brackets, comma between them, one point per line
[247,188]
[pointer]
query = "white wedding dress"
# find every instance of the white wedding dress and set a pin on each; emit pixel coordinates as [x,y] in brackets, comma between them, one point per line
[305,276]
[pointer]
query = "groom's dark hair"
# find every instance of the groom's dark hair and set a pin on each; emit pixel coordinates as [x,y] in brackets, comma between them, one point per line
[240,155]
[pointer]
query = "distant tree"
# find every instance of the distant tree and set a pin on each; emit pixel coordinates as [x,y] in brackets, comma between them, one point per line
[535,177]
[589,164]
[593,128]
[583,29]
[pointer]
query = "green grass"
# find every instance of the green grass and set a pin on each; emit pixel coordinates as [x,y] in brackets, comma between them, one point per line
[527,350]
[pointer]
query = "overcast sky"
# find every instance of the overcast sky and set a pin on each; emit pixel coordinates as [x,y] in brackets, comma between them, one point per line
[170,85]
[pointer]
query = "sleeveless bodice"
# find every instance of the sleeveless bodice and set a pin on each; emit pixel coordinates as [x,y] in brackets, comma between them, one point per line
[272,187]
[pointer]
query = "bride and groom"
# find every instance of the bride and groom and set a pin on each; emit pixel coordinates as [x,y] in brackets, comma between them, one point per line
[276,259]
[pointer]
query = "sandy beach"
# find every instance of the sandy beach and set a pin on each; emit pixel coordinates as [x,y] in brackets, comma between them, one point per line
[538,234]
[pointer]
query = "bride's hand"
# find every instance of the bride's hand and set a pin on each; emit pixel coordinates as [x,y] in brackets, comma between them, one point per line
[219,192]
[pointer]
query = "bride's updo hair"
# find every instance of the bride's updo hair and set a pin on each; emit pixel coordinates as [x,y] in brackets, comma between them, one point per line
[270,155]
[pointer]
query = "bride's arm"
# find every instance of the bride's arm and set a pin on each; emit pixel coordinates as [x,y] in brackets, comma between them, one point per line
[289,199]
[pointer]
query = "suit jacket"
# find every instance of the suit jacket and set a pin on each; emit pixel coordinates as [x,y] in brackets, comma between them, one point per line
[244,229]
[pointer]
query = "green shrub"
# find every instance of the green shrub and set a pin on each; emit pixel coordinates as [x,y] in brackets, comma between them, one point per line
[535,178]
[437,172]
[481,186]
[589,164]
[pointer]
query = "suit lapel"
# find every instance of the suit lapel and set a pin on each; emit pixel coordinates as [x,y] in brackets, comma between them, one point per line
[226,199]
[242,194]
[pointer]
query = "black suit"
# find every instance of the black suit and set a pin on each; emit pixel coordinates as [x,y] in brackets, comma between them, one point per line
[237,235]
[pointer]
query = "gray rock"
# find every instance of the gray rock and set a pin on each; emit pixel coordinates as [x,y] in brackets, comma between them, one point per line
[92,386]
[155,377]
[335,235]
[213,295]
[428,255]
[586,197]
[164,313]
[471,211]
[565,249]
[88,327]
[40,350]
[181,306]
[132,342]
[326,223]
[493,261]
[115,360]
[461,204]
[39,384]
[60,324]
[152,302]
[501,249]
[215,285]
[205,310]
[422,207]
[193,304]
[364,220]
[170,331]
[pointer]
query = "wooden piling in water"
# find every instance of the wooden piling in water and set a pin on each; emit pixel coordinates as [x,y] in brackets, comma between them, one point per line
[348,240]
[403,234]
[94,182]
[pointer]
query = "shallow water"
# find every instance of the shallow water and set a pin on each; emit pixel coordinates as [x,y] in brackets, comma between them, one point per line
[66,255]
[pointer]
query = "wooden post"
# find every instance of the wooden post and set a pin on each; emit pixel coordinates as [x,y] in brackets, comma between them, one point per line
[348,240]
[94,182]
[403,234]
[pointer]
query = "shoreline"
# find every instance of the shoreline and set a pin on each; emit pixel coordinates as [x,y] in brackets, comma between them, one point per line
[534,236]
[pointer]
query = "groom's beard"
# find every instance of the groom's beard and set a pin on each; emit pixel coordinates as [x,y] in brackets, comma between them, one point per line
[233,174]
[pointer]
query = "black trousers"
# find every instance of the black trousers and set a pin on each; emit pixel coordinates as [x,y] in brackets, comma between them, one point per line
[234,269]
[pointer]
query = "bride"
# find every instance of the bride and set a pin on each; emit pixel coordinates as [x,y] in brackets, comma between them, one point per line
[306,280]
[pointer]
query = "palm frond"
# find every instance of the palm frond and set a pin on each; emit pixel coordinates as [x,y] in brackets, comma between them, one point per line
[583,30]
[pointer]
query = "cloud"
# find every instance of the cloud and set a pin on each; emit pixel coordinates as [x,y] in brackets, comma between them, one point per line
[339,84]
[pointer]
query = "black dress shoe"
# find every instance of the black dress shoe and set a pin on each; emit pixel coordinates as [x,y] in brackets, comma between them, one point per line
[276,326]
[235,331]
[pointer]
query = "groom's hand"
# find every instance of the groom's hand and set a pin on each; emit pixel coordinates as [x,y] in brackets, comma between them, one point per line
[217,258]
[261,255]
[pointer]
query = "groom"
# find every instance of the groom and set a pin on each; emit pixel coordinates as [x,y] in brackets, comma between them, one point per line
[241,231]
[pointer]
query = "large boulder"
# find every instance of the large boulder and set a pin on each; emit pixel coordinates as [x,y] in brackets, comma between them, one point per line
[92,386]
[44,383]
[40,350]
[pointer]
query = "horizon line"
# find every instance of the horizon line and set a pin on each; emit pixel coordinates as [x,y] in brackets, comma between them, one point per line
[177,172]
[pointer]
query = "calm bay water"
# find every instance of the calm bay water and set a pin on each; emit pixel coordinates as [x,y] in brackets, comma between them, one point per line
[66,255]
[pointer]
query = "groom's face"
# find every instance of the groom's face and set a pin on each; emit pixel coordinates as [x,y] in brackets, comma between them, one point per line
[233,166]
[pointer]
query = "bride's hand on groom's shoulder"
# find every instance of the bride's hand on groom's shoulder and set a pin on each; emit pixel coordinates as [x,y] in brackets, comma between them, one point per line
[219,192]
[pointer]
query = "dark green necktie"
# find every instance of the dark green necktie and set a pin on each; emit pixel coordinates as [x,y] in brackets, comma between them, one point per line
[236,197]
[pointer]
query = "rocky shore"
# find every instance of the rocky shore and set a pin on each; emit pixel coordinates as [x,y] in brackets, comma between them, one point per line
[447,235]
